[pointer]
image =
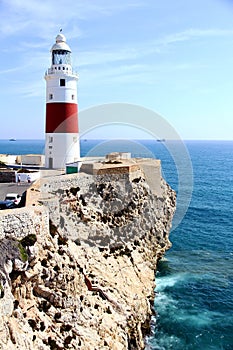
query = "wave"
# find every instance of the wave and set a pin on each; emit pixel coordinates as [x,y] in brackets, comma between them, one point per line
[170,281]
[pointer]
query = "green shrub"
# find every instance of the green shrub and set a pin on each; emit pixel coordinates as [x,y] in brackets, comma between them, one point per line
[23,253]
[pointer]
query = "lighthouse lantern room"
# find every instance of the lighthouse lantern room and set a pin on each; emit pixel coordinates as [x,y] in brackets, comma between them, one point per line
[62,135]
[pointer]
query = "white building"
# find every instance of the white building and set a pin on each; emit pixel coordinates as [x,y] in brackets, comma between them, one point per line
[62,134]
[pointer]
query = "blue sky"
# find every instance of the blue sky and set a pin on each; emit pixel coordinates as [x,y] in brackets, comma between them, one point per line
[172,57]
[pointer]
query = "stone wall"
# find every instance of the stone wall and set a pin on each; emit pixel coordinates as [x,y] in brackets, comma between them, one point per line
[77,265]
[21,222]
[103,209]
[7,175]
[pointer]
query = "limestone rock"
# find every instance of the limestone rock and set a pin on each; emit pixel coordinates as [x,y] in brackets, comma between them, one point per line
[86,280]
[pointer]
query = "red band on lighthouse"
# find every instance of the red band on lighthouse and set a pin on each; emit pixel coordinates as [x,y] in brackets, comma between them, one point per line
[61,117]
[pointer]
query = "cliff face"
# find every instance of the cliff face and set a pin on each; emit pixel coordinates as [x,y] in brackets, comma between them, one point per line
[83,278]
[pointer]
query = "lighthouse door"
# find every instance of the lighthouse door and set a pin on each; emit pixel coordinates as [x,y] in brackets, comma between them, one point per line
[50,163]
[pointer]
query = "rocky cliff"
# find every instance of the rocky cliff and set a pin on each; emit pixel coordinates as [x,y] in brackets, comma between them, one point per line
[77,265]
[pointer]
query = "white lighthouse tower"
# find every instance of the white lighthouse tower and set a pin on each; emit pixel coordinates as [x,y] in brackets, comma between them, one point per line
[62,135]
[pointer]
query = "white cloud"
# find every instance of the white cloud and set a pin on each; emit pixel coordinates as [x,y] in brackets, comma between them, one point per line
[194,34]
[32,23]
[45,17]
[136,49]
[11,70]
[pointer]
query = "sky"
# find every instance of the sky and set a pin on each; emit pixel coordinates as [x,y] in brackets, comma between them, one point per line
[171,57]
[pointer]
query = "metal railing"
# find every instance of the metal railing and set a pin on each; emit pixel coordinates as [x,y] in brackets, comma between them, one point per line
[60,71]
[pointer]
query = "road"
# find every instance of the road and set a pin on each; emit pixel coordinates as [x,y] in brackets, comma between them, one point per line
[23,186]
[12,188]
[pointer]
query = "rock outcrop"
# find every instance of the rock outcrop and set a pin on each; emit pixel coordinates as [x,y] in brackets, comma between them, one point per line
[85,278]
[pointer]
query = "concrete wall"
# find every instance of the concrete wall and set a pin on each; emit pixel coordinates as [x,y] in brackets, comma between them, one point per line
[31,159]
[24,176]
[152,172]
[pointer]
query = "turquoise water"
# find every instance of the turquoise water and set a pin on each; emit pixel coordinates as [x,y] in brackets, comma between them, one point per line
[195,283]
[194,289]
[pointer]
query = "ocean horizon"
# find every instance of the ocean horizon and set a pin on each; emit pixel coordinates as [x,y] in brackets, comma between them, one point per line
[194,281]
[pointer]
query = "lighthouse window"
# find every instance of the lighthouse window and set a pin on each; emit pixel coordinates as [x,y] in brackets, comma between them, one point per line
[62,82]
[50,96]
[72,97]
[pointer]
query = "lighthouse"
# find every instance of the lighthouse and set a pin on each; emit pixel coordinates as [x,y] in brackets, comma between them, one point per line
[61,129]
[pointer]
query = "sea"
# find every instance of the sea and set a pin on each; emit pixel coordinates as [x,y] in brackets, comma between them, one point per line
[194,281]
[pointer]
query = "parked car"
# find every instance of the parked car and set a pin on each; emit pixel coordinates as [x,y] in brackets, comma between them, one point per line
[15,197]
[7,205]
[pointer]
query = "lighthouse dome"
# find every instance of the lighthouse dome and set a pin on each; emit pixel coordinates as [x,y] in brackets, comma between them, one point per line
[60,38]
[60,43]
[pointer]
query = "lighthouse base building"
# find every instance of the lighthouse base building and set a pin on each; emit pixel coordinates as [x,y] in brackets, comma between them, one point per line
[55,157]
[61,129]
